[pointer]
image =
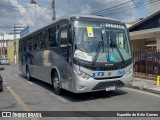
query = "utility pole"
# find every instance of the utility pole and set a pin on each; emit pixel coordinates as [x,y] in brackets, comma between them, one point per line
[54,12]
[33,2]
[3,47]
[14,34]
[16,30]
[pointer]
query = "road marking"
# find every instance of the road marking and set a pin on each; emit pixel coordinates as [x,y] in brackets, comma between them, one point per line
[20,101]
[59,98]
[140,91]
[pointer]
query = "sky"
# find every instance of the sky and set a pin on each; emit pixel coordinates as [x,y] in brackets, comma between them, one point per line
[22,12]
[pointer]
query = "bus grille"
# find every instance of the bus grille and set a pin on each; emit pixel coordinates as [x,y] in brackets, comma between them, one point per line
[108,78]
[103,85]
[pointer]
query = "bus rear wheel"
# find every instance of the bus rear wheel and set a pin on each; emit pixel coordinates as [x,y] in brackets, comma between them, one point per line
[1,87]
[28,75]
[56,84]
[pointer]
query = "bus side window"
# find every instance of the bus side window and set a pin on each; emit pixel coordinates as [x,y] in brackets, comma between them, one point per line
[21,47]
[43,36]
[24,44]
[52,37]
[63,44]
[35,39]
[63,38]
[30,43]
[20,44]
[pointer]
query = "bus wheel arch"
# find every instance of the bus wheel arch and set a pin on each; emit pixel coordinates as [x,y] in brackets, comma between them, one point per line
[55,82]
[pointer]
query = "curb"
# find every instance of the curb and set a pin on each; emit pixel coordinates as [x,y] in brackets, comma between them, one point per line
[144,89]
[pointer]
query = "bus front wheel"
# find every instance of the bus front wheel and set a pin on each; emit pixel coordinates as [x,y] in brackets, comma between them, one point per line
[56,84]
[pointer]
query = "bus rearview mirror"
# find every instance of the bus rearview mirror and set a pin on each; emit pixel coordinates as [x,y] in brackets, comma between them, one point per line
[70,37]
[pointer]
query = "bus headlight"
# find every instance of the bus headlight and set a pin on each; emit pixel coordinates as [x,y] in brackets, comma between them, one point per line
[83,75]
[129,72]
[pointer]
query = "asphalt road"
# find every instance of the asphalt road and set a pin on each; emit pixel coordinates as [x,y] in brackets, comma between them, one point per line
[22,95]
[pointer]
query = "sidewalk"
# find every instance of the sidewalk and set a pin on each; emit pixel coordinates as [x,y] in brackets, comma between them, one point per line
[145,85]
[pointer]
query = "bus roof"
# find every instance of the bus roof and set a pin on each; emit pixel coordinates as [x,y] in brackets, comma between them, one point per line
[70,16]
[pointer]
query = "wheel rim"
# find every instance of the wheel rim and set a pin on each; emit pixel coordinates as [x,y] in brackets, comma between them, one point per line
[56,84]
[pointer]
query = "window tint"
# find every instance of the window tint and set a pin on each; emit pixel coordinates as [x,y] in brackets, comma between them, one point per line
[120,40]
[30,43]
[63,38]
[35,42]
[52,37]
[24,44]
[20,45]
[43,36]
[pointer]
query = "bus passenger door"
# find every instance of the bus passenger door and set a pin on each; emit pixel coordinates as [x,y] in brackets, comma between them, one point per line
[64,65]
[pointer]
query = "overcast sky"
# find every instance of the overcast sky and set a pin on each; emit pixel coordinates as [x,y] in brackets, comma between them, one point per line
[23,12]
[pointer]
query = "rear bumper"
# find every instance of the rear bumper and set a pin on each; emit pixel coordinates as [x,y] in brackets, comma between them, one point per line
[4,63]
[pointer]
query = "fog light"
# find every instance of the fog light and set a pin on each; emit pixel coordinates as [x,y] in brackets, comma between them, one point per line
[79,87]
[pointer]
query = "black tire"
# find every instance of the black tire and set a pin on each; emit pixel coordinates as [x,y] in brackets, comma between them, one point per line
[1,87]
[28,75]
[56,84]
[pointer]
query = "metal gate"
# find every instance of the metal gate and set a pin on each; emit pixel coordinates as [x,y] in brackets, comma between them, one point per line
[146,63]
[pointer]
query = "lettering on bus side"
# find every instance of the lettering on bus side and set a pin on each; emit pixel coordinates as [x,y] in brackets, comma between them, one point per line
[98,74]
[120,72]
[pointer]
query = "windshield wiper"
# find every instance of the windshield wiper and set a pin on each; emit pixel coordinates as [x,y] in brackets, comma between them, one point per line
[101,43]
[97,51]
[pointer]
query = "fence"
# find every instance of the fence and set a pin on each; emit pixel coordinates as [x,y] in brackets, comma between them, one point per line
[146,63]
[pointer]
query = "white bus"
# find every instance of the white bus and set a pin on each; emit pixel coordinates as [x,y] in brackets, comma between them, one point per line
[78,53]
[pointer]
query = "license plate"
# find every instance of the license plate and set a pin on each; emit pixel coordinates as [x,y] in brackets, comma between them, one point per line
[109,88]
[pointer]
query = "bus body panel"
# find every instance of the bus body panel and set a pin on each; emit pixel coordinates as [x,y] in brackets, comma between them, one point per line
[41,64]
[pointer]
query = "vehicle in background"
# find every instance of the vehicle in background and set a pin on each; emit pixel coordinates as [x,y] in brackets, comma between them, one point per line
[1,81]
[147,62]
[4,61]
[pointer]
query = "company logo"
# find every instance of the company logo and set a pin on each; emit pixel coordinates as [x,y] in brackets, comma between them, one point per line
[98,74]
[109,73]
[108,64]
[6,114]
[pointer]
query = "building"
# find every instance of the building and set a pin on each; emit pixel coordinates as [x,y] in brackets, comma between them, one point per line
[11,51]
[3,48]
[145,34]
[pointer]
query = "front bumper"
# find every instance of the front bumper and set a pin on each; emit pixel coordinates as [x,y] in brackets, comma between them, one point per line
[91,85]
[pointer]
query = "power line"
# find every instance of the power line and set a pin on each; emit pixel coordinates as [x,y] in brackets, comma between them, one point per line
[114,12]
[18,7]
[112,7]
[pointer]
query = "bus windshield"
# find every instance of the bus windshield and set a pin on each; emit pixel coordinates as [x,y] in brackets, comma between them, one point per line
[101,42]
